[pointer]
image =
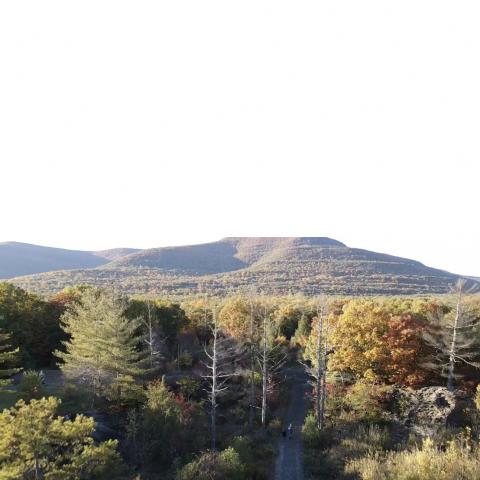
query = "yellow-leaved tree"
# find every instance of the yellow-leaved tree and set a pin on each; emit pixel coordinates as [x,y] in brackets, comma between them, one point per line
[359,346]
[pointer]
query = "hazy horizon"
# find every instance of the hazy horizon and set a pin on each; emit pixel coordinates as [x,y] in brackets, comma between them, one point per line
[178,123]
[209,240]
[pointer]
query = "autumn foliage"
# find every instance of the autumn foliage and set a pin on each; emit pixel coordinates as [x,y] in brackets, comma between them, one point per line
[377,341]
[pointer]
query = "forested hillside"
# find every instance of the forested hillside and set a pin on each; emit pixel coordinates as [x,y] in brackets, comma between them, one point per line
[276,266]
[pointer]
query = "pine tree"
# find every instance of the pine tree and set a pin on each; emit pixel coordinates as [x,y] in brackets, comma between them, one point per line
[36,443]
[8,360]
[104,344]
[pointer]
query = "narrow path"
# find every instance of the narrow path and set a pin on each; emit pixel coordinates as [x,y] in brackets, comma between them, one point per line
[289,464]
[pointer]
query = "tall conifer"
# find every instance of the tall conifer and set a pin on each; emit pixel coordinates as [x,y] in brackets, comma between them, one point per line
[104,344]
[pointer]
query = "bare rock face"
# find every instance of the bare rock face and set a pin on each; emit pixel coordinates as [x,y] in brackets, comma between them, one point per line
[429,410]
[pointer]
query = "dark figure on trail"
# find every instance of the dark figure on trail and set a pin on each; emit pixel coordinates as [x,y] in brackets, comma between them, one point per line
[290,430]
[284,433]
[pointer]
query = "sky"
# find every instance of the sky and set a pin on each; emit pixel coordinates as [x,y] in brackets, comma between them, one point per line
[156,123]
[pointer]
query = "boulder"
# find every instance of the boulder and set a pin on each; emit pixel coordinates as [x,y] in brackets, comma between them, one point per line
[429,410]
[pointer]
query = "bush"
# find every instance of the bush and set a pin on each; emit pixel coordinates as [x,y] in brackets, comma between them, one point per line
[255,454]
[189,387]
[32,385]
[429,462]
[238,415]
[367,401]
[364,439]
[327,452]
[311,435]
[124,393]
[37,443]
[185,360]
[215,466]
[477,397]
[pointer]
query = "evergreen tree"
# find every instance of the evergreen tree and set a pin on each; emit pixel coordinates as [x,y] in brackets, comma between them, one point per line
[104,344]
[35,443]
[8,359]
[302,332]
[33,323]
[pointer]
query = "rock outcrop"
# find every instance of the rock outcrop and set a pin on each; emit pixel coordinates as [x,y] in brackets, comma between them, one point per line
[427,411]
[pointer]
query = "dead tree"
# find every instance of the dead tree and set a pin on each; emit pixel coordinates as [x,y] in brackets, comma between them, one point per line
[152,338]
[220,364]
[318,367]
[271,360]
[252,366]
[451,337]
[323,391]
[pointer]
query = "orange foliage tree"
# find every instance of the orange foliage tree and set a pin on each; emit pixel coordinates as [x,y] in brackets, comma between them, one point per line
[406,350]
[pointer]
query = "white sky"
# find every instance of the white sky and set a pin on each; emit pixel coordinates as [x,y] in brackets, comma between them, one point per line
[150,123]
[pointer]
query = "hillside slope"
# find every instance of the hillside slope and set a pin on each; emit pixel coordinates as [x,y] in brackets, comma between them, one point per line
[23,258]
[273,265]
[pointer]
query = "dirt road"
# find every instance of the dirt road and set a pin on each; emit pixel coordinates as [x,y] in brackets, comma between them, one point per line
[289,464]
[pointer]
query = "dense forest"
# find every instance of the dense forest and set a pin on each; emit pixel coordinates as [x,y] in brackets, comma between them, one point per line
[98,385]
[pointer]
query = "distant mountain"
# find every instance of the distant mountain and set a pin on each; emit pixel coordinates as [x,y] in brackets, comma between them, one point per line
[24,259]
[115,253]
[274,265]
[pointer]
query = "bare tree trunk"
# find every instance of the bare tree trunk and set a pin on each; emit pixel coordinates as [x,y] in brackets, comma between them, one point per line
[213,397]
[252,369]
[150,335]
[220,366]
[37,467]
[321,414]
[319,368]
[205,314]
[453,345]
[264,372]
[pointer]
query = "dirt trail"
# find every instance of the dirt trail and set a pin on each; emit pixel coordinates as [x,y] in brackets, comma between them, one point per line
[289,464]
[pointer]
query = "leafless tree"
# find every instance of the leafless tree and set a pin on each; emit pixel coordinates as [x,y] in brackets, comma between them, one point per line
[251,415]
[271,359]
[220,363]
[451,337]
[152,338]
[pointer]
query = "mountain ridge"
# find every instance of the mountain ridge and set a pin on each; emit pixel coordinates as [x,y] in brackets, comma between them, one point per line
[273,265]
[19,258]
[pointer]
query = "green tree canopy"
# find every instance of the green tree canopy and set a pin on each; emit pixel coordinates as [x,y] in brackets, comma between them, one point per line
[104,343]
[8,359]
[35,443]
[215,466]
[33,323]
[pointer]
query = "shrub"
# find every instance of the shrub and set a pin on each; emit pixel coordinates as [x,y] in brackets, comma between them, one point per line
[185,360]
[428,462]
[215,466]
[189,387]
[36,443]
[124,393]
[365,439]
[367,400]
[255,454]
[32,385]
[477,397]
[311,435]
